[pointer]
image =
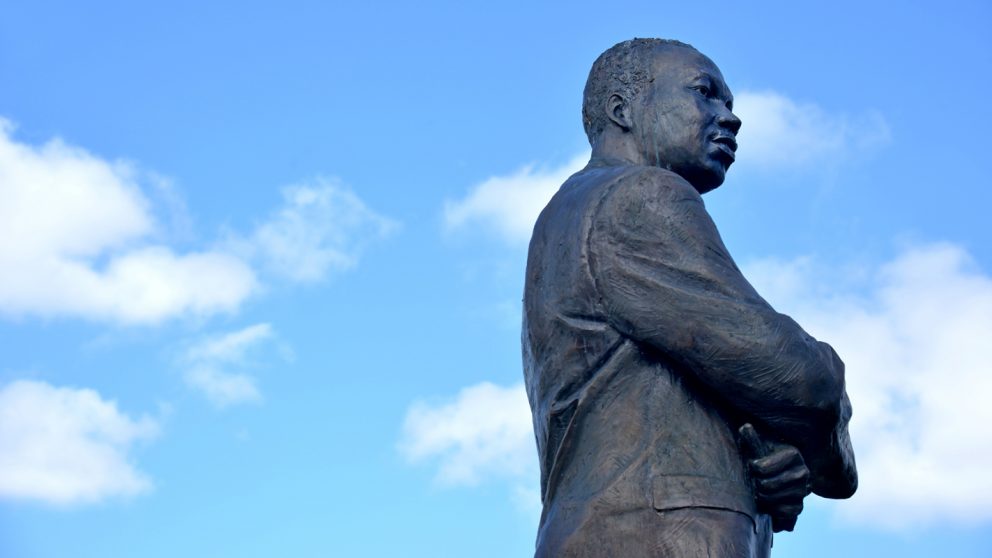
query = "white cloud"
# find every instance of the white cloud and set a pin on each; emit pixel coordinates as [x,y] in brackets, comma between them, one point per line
[321,227]
[915,344]
[778,132]
[208,364]
[74,241]
[67,446]
[485,431]
[509,205]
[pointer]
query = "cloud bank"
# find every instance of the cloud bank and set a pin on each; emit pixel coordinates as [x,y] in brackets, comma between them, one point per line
[67,446]
[75,241]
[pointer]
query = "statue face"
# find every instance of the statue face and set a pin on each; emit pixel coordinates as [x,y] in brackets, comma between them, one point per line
[683,120]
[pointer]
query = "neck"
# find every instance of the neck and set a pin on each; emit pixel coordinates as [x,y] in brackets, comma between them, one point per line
[615,147]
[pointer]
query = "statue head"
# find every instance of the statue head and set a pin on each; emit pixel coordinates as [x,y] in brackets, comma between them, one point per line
[662,103]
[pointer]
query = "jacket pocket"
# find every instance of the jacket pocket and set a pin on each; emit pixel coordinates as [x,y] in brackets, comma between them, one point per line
[669,492]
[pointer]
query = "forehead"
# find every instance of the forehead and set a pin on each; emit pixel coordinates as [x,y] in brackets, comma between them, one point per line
[677,63]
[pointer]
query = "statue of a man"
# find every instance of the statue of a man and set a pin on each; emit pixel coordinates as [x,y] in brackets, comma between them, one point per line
[676,413]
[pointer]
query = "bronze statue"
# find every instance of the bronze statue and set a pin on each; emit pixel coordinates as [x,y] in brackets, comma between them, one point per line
[676,413]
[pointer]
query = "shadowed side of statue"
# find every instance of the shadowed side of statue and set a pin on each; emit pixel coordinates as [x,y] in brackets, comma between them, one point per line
[676,412]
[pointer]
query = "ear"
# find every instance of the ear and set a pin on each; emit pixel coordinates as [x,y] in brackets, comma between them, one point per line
[618,111]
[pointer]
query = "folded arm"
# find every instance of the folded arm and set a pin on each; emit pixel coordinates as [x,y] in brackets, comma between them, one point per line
[668,282]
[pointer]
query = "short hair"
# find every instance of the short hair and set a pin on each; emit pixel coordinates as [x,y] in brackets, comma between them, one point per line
[624,68]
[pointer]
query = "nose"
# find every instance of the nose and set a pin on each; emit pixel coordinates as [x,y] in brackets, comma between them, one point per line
[727,119]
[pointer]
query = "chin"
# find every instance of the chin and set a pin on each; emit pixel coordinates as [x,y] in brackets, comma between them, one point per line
[707,180]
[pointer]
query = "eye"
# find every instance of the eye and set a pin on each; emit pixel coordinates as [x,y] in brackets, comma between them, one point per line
[703,90]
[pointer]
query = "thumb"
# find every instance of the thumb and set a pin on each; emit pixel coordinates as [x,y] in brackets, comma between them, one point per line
[752,445]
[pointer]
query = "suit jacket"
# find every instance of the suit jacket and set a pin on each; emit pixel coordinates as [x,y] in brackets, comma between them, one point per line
[645,349]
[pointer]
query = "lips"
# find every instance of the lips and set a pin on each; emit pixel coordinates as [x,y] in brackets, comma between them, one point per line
[726,144]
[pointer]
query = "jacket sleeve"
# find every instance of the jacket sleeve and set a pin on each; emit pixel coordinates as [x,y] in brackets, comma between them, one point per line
[667,282]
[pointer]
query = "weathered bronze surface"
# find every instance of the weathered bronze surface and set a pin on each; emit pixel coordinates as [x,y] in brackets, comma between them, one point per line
[676,412]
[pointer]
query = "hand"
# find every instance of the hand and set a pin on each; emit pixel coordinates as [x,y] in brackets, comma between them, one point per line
[781,479]
[835,475]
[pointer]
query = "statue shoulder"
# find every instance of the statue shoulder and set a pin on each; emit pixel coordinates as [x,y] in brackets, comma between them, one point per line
[648,188]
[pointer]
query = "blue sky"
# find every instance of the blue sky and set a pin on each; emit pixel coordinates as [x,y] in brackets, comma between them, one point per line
[261,264]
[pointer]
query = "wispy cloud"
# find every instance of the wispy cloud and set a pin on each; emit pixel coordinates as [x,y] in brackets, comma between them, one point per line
[67,446]
[230,347]
[321,227]
[509,205]
[221,387]
[484,431]
[914,334]
[75,240]
[210,361]
[780,133]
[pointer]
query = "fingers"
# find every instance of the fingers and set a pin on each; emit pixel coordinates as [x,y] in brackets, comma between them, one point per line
[781,481]
[795,481]
[776,500]
[774,463]
[780,476]
[788,487]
